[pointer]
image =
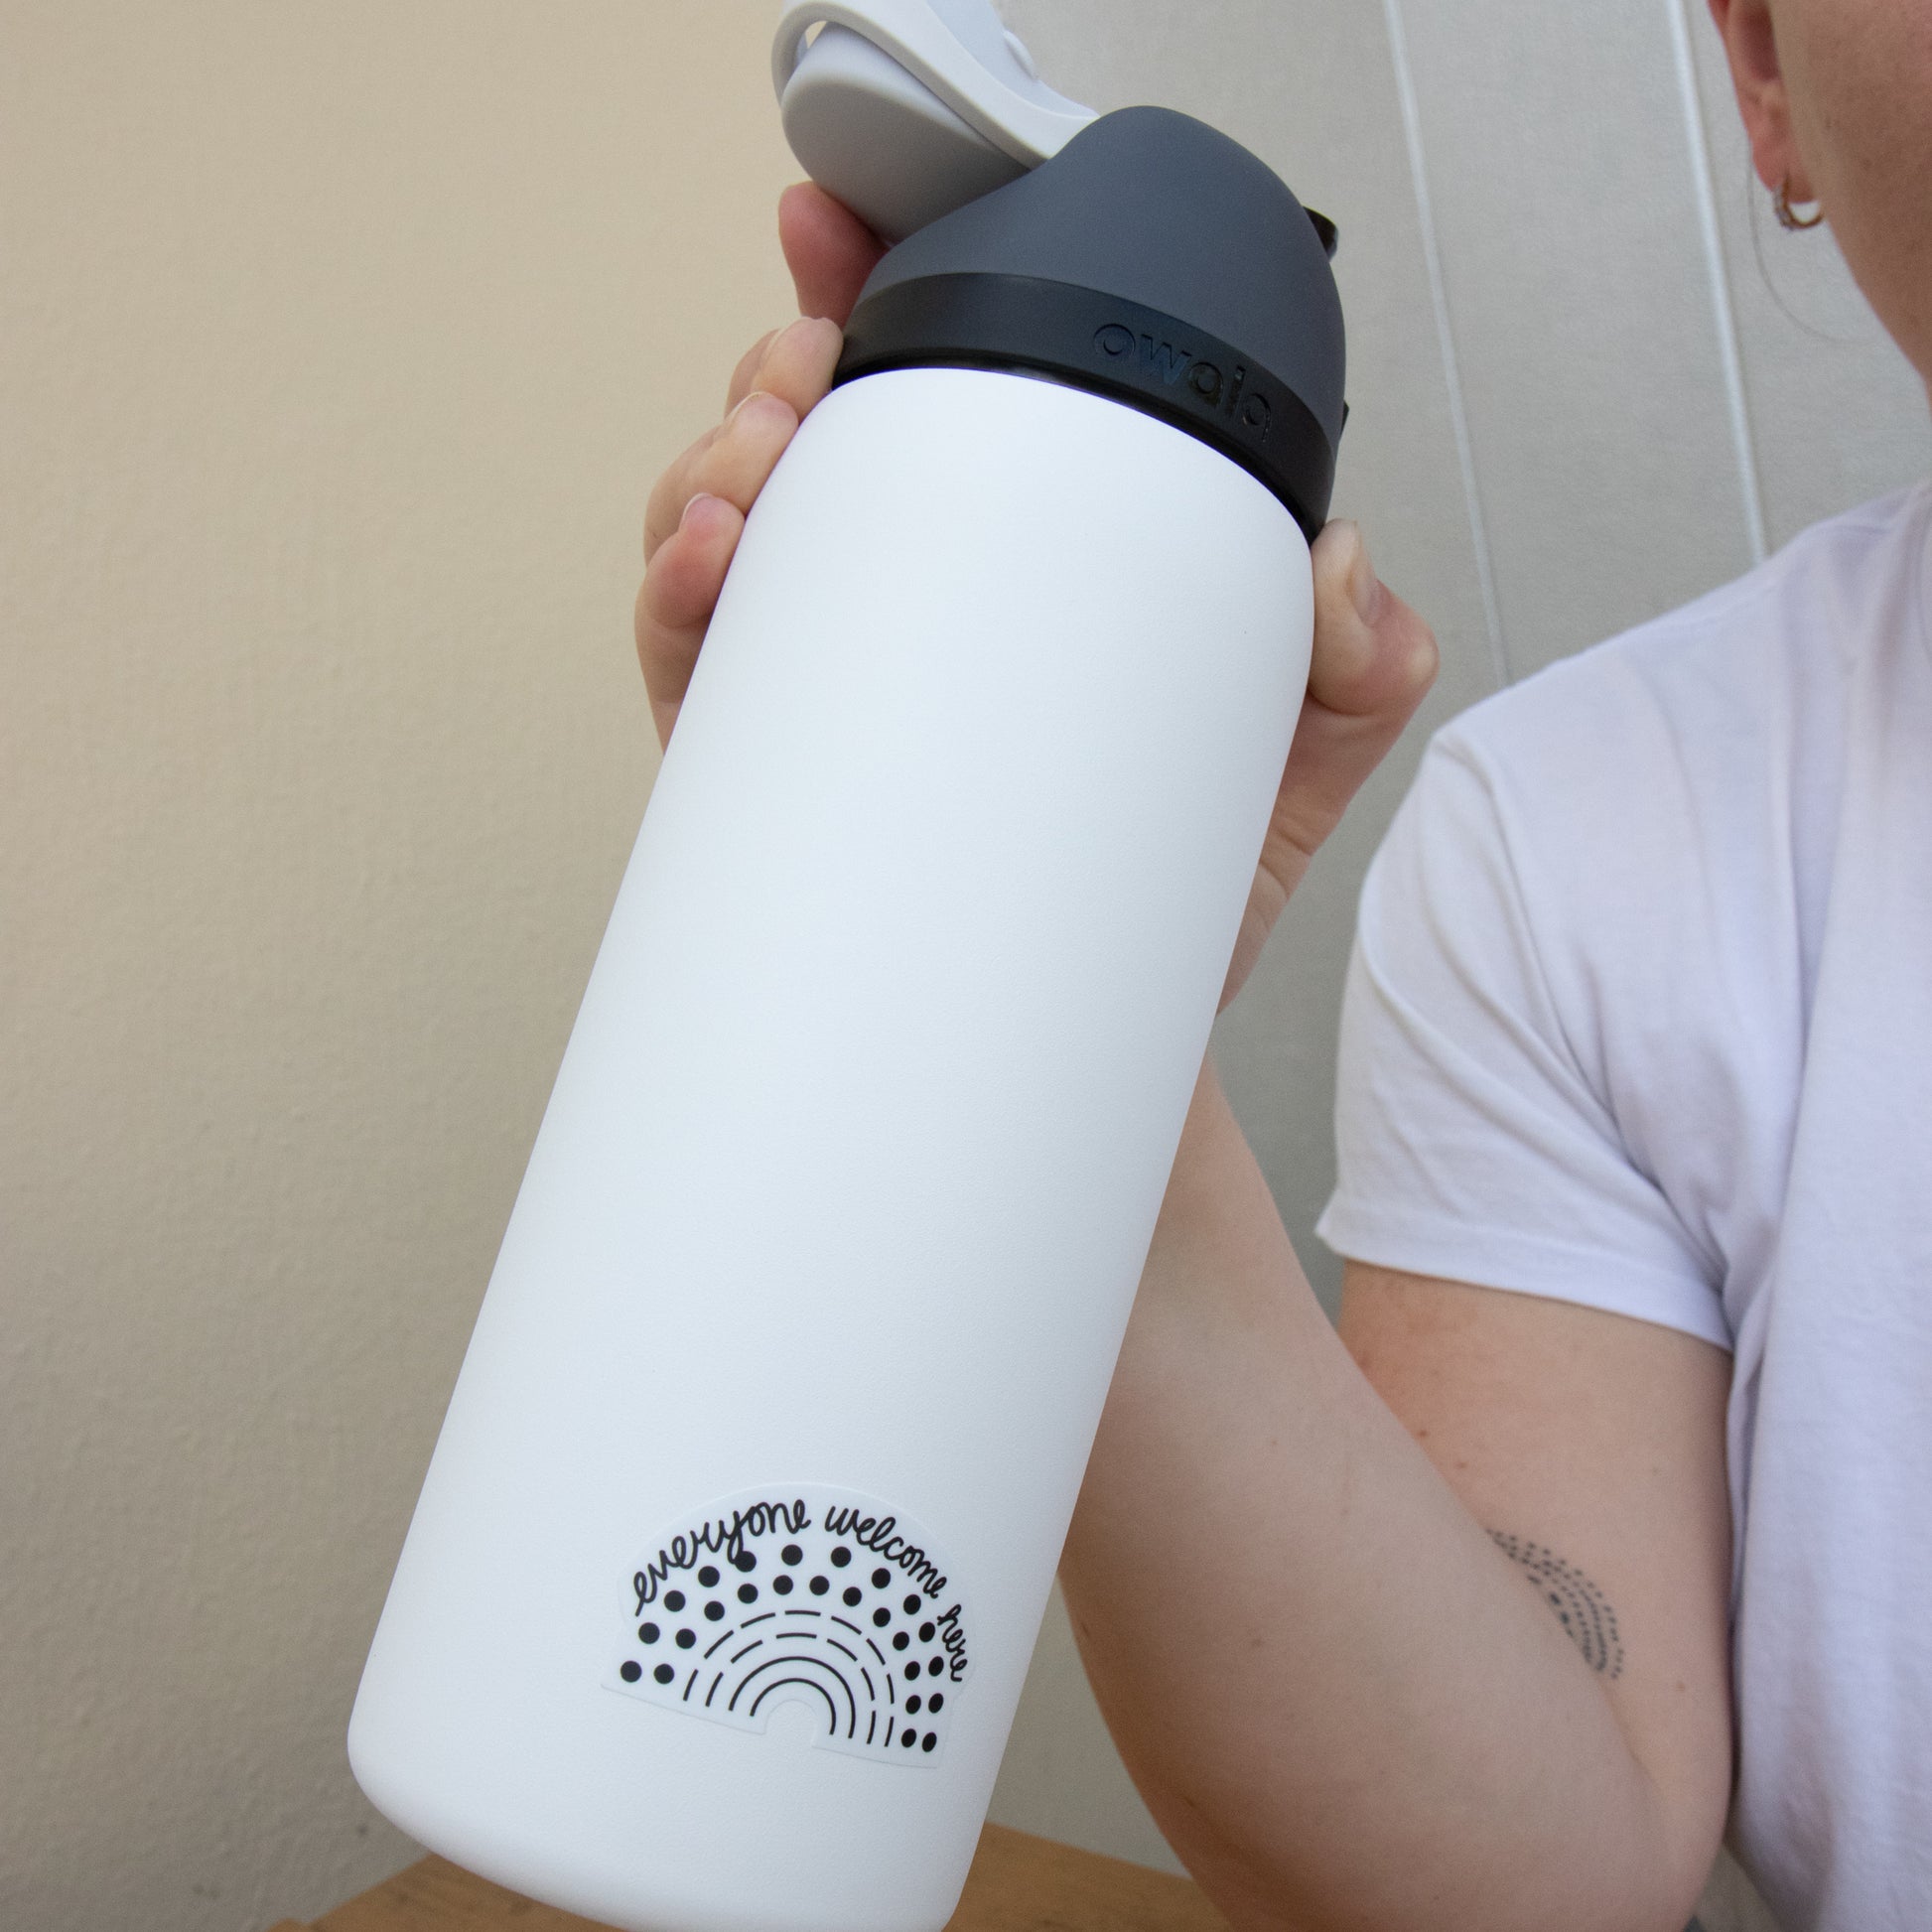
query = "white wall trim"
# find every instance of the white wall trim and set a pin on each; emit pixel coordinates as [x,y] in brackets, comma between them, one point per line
[1433,261]
[1729,349]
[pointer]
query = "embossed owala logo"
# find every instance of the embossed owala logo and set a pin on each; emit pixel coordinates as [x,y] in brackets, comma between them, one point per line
[1205,380]
[802,1594]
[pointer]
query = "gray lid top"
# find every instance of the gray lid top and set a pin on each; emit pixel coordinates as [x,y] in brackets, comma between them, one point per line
[1149,207]
[1164,211]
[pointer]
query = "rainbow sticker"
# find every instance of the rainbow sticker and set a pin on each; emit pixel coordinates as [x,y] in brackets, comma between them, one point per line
[801,1593]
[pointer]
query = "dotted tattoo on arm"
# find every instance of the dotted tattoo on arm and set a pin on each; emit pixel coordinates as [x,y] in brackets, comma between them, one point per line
[1581,1609]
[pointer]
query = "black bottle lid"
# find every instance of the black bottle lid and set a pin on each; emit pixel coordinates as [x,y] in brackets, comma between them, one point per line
[1152,260]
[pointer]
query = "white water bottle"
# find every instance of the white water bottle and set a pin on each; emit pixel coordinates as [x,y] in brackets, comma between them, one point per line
[727,1570]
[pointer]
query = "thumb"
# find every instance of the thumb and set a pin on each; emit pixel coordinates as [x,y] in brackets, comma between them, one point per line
[1373,661]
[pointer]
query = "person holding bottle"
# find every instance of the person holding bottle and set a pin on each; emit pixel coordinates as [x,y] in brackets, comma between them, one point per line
[1611,1505]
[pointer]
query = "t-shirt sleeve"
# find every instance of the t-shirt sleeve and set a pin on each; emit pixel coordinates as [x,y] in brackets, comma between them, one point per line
[1471,1141]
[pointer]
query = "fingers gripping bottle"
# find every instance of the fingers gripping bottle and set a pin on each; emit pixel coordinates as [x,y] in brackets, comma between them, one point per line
[726,1569]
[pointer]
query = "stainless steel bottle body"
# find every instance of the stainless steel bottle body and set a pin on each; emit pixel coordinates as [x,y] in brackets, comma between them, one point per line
[816,1278]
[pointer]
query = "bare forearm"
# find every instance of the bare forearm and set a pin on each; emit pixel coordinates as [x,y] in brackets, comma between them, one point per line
[1340,1700]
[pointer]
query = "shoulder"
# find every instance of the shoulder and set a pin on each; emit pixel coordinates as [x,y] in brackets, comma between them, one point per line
[1629,850]
[1700,746]
[1583,962]
[1714,691]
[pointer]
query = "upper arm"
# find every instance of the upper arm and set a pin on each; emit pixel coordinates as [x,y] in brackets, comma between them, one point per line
[1599,1440]
[1556,1352]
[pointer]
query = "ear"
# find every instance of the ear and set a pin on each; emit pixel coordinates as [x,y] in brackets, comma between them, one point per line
[1750,40]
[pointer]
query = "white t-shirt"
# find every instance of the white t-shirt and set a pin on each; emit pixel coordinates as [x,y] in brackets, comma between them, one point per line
[1640,1016]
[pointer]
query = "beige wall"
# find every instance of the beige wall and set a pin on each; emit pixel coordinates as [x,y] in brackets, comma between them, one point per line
[338,346]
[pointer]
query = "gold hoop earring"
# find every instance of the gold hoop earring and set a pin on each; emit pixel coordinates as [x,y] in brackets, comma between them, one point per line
[1787,217]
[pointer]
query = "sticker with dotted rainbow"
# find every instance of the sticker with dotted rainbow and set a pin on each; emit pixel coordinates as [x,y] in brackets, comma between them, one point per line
[802,1594]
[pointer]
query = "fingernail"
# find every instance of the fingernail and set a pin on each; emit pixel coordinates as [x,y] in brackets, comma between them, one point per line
[703,496]
[1365,589]
[784,336]
[766,400]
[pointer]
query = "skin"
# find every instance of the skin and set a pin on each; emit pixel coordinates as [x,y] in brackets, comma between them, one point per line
[1346,1703]
[1837,98]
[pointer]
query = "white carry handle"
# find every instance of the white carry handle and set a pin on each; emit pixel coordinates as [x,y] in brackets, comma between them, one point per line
[906,109]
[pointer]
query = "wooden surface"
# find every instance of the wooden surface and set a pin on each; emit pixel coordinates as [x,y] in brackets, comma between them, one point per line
[1017,1884]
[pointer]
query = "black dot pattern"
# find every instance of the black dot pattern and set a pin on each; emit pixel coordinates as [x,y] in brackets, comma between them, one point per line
[872,1586]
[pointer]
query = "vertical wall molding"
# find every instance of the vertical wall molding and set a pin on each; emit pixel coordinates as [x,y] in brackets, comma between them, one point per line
[1730,347]
[1445,336]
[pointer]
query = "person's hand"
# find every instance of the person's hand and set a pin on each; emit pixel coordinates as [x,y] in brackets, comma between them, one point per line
[1373,662]
[697,508]
[1374,657]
